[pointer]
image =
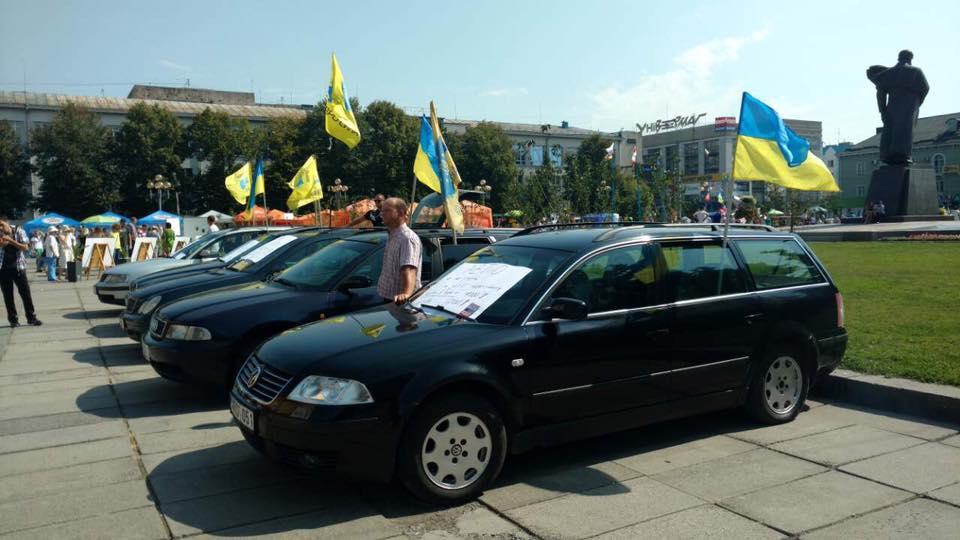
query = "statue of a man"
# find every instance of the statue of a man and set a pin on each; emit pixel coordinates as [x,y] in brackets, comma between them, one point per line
[900,92]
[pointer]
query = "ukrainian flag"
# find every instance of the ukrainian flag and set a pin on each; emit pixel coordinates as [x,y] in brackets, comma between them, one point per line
[435,168]
[768,150]
[256,188]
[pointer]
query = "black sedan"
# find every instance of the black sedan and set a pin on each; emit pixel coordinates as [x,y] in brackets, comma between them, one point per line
[272,256]
[224,326]
[544,338]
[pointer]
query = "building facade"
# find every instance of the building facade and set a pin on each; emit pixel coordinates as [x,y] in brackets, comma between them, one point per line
[936,145]
[831,159]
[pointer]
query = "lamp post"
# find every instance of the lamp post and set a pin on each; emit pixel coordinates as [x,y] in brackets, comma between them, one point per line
[339,190]
[160,184]
[603,194]
[484,189]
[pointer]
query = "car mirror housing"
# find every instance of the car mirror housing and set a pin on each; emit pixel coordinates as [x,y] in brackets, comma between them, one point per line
[205,254]
[355,282]
[566,308]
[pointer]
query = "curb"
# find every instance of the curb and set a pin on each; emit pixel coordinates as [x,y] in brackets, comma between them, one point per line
[936,402]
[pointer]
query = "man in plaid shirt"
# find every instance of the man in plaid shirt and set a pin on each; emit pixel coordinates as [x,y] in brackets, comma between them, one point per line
[400,275]
[13,270]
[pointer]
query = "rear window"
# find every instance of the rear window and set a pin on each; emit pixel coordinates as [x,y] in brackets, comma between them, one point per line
[778,263]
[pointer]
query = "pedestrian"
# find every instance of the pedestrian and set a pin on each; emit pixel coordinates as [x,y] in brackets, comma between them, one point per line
[402,258]
[881,211]
[13,271]
[212,224]
[130,234]
[51,248]
[167,240]
[69,248]
[64,248]
[701,215]
[373,216]
[36,245]
[119,250]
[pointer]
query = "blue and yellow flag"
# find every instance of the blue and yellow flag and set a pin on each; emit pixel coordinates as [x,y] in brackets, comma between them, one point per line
[256,188]
[305,185]
[434,167]
[340,121]
[768,150]
[238,183]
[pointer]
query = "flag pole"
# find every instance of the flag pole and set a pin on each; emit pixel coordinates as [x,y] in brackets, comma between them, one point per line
[434,125]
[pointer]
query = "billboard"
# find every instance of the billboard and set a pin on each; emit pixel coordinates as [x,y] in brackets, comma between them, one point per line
[725,123]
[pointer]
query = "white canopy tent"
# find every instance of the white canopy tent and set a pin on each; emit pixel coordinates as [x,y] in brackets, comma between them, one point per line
[219,216]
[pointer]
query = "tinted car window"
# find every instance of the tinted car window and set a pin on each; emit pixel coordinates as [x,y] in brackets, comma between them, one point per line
[297,254]
[617,279]
[699,270]
[778,263]
[371,267]
[227,244]
[318,271]
[452,254]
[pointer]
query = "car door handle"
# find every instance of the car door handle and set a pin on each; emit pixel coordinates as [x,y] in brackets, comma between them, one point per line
[753,317]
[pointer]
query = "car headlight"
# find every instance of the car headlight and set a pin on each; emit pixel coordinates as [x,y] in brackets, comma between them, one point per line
[183,332]
[149,305]
[330,391]
[115,278]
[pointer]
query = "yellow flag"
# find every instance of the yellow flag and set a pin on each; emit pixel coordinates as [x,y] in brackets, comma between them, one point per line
[305,185]
[238,183]
[340,121]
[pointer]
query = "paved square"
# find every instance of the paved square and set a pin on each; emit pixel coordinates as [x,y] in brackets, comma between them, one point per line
[94,445]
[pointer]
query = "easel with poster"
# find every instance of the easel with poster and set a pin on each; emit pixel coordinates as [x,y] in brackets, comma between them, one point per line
[144,249]
[97,255]
[179,243]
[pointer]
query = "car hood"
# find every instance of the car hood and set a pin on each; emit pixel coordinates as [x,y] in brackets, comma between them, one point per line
[191,283]
[134,270]
[234,302]
[175,272]
[359,345]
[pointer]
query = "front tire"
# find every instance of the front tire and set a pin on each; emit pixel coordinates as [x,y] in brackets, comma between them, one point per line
[779,387]
[453,449]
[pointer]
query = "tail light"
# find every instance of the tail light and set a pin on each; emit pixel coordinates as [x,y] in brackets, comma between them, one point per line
[839,298]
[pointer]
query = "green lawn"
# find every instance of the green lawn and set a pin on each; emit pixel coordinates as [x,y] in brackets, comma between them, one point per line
[902,303]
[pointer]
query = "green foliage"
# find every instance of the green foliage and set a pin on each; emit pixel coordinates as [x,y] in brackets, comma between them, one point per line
[384,158]
[284,158]
[147,144]
[224,143]
[14,174]
[72,156]
[485,152]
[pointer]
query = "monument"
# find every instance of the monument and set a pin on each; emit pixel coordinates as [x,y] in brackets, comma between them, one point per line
[908,193]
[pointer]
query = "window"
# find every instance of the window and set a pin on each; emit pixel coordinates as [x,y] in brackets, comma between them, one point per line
[778,263]
[691,158]
[711,157]
[861,191]
[318,270]
[700,270]
[671,161]
[520,151]
[371,267]
[618,279]
[830,163]
[18,131]
[297,254]
[938,161]
[861,167]
[940,186]
[651,156]
[556,155]
[536,156]
[452,254]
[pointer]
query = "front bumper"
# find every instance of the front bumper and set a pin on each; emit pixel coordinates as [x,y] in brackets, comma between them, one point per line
[112,293]
[351,441]
[190,361]
[135,325]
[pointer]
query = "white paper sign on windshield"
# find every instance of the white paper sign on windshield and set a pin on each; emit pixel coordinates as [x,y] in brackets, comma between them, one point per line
[470,288]
[268,248]
[237,251]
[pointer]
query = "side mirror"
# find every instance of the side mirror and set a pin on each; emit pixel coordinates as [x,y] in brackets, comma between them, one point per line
[566,308]
[206,254]
[355,282]
[273,275]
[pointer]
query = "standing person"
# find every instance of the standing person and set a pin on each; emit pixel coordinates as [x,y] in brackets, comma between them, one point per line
[51,248]
[13,270]
[212,224]
[167,240]
[373,216]
[130,234]
[36,245]
[62,259]
[402,258]
[881,211]
[69,246]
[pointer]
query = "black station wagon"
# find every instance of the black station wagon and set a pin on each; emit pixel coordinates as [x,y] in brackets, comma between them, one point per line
[552,335]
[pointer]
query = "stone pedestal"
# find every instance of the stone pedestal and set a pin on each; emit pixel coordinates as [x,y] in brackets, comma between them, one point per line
[908,193]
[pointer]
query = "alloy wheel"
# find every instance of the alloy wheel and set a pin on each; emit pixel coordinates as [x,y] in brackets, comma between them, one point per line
[782,384]
[456,451]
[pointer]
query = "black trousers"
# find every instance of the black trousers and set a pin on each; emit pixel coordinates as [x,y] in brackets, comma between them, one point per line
[9,277]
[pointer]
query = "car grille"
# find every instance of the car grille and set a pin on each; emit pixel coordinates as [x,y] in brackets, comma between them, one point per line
[260,381]
[157,327]
[132,304]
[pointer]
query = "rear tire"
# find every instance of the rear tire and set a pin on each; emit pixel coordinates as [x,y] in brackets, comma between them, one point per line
[453,448]
[779,387]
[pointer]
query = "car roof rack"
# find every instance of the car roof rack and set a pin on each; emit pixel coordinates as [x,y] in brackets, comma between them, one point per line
[714,227]
[640,225]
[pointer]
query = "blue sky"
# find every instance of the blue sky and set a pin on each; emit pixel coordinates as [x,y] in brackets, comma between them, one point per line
[600,65]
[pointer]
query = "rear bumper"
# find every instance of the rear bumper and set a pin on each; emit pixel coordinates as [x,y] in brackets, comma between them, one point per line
[831,351]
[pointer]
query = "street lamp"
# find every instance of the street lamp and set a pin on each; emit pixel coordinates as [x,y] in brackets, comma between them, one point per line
[339,190]
[484,189]
[603,193]
[160,184]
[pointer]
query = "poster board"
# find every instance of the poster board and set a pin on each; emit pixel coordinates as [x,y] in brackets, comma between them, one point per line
[179,243]
[143,249]
[470,288]
[97,254]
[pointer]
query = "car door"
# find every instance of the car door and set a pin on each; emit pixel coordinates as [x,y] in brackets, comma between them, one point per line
[715,322]
[601,364]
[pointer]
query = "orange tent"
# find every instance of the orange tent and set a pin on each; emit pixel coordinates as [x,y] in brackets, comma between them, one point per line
[259,216]
[278,217]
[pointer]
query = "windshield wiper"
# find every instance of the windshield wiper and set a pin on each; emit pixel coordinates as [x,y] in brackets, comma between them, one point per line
[441,308]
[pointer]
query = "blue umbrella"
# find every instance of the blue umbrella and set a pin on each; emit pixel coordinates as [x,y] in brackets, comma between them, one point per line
[47,220]
[157,218]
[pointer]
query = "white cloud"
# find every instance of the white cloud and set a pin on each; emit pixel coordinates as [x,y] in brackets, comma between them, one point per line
[686,89]
[504,92]
[175,66]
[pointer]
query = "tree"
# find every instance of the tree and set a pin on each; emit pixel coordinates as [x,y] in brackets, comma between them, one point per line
[485,152]
[224,143]
[385,155]
[585,171]
[72,157]
[14,173]
[286,157]
[147,144]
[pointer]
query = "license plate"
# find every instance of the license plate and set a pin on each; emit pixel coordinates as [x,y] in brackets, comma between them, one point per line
[146,351]
[241,413]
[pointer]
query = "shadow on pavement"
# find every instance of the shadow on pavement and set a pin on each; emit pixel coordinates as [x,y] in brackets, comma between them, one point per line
[109,330]
[155,396]
[97,314]
[111,355]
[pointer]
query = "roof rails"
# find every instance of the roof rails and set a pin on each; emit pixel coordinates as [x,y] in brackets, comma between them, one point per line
[718,227]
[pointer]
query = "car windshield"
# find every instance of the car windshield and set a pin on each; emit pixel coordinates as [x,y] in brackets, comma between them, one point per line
[251,258]
[243,248]
[493,284]
[188,251]
[318,270]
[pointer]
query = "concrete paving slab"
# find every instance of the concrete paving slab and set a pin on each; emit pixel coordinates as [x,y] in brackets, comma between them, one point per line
[137,524]
[915,427]
[61,480]
[950,494]
[198,458]
[54,421]
[738,474]
[702,522]
[603,509]
[54,344]
[481,522]
[249,506]
[806,423]
[53,396]
[952,441]
[918,518]
[61,334]
[141,423]
[520,488]
[78,371]
[88,400]
[816,501]
[53,386]
[66,506]
[49,458]
[156,388]
[336,523]
[919,469]
[168,441]
[847,444]
[661,458]
[62,436]
[220,479]
[42,365]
